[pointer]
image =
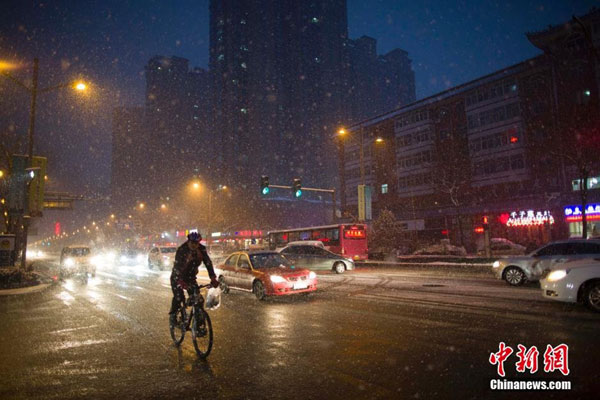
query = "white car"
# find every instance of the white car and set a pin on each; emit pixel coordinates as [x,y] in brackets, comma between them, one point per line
[576,281]
[76,259]
[503,247]
[516,270]
[162,257]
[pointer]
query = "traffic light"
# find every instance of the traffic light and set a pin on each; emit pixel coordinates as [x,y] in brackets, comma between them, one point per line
[297,187]
[486,224]
[264,185]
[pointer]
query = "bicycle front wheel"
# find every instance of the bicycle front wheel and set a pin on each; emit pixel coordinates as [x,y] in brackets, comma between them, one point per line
[179,328]
[202,333]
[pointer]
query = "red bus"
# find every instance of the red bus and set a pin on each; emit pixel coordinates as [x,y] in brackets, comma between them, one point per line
[348,240]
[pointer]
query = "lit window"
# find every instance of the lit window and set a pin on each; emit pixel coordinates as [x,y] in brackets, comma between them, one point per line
[587,92]
[243,22]
[243,65]
[244,110]
[221,57]
[513,88]
[315,20]
[384,188]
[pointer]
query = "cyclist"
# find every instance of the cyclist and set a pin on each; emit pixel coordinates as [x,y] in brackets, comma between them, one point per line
[188,258]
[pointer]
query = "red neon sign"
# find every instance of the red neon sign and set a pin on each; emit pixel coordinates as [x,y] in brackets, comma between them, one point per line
[514,139]
[57,228]
[589,217]
[479,229]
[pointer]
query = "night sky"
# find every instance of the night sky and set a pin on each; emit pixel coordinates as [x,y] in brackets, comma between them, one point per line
[109,42]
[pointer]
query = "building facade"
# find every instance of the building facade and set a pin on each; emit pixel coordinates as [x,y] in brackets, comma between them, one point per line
[128,162]
[507,146]
[285,76]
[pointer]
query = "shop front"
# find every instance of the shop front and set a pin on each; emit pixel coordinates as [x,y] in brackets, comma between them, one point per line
[528,227]
[573,218]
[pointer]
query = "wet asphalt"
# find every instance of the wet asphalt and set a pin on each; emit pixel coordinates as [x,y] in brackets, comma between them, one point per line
[366,334]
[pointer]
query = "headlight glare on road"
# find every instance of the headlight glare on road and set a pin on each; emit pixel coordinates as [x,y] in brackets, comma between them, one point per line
[277,279]
[140,258]
[97,260]
[312,275]
[557,275]
[496,264]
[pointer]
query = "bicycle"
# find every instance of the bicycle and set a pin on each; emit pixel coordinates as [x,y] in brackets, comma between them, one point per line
[198,322]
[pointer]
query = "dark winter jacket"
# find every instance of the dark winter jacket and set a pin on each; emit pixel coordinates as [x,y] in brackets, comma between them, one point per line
[187,262]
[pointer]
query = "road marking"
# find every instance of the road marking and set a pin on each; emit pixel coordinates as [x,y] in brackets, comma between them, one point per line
[72,329]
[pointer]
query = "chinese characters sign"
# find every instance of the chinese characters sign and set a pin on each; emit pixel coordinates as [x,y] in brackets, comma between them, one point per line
[529,218]
[573,213]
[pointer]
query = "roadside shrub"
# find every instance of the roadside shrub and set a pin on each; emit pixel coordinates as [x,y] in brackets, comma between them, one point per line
[14,278]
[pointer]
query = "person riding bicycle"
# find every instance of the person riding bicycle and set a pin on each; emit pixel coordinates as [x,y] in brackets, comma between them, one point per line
[188,258]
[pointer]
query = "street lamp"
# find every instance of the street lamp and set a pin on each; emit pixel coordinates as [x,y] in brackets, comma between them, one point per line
[33,91]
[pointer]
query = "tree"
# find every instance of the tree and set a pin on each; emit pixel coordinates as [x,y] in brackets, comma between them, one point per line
[385,232]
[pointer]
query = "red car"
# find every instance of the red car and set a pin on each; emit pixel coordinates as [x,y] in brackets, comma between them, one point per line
[264,273]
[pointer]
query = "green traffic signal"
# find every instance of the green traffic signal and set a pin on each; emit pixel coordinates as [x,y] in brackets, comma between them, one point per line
[264,185]
[297,187]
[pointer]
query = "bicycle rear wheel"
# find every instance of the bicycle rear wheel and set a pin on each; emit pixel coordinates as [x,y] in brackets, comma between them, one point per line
[178,330]
[202,333]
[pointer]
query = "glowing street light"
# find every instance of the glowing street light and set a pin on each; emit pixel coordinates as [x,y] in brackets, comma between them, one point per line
[80,86]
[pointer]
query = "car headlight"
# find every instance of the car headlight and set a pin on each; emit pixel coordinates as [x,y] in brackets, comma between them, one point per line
[96,260]
[277,279]
[312,275]
[166,261]
[557,275]
[140,257]
[69,262]
[123,258]
[496,264]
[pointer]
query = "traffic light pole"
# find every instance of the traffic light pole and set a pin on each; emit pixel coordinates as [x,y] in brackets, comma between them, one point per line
[331,191]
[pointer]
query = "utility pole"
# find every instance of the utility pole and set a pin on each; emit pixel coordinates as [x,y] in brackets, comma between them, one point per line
[25,219]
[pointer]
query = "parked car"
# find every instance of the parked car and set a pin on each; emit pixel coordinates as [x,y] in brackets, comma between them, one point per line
[503,247]
[316,258]
[576,281]
[443,248]
[162,257]
[76,260]
[516,270]
[264,273]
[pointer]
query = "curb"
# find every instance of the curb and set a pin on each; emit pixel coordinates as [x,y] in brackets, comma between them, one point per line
[25,290]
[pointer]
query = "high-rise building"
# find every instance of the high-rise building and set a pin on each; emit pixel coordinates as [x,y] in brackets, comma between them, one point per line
[377,83]
[129,161]
[177,123]
[280,79]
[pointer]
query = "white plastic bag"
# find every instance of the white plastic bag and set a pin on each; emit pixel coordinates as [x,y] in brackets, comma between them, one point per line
[213,299]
